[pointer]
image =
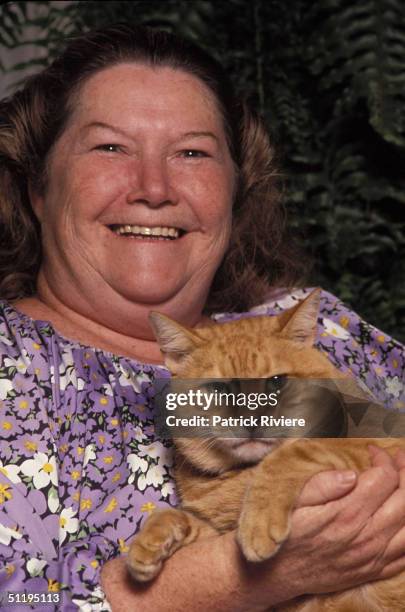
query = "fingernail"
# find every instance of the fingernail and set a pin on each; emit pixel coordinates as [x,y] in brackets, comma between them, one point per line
[347,476]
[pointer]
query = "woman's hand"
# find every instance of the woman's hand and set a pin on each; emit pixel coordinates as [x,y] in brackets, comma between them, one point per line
[355,539]
[345,532]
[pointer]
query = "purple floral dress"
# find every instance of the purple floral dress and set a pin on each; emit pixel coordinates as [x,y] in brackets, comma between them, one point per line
[80,466]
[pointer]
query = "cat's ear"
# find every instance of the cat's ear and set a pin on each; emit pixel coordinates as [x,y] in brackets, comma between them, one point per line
[301,327]
[175,341]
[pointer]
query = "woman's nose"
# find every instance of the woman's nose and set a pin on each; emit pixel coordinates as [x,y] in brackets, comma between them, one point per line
[150,183]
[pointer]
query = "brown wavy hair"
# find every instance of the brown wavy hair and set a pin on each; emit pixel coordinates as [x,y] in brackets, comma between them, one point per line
[261,255]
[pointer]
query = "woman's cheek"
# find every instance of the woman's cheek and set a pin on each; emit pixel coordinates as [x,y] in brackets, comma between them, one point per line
[101,185]
[212,192]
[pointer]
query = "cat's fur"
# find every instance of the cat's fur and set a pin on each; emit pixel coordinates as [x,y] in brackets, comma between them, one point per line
[252,488]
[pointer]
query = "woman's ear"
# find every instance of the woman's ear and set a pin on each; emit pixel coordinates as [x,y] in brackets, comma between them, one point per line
[37,201]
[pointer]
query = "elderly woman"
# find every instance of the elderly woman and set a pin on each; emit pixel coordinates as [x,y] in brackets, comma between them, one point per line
[148,186]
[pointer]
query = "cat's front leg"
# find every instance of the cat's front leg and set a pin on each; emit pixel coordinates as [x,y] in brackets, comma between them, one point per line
[264,523]
[163,533]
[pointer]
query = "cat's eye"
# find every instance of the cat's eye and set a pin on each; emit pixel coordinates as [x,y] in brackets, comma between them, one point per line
[276,383]
[220,386]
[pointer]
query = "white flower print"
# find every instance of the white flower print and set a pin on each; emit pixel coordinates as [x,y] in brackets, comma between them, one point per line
[41,469]
[35,566]
[153,476]
[20,364]
[89,454]
[158,451]
[262,309]
[5,386]
[67,372]
[5,340]
[138,433]
[282,299]
[107,389]
[131,378]
[102,606]
[53,501]
[334,329]
[6,533]
[136,463]
[68,523]
[167,489]
[394,386]
[10,471]
[151,473]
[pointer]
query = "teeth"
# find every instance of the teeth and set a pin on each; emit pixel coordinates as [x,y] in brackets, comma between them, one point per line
[142,230]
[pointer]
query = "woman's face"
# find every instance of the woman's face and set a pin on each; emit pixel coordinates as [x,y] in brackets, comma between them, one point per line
[139,197]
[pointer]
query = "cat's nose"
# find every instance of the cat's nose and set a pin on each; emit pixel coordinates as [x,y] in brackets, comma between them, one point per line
[253,431]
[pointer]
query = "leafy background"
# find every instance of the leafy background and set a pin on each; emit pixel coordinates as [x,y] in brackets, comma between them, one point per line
[329,78]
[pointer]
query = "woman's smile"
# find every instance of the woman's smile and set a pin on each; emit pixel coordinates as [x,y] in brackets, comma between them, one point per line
[145,232]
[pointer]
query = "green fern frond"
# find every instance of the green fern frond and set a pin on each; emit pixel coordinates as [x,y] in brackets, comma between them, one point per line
[361,49]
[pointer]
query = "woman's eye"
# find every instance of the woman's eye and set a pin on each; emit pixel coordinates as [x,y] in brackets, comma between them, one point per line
[109,148]
[193,153]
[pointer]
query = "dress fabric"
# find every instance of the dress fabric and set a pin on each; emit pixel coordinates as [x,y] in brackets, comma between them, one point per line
[80,466]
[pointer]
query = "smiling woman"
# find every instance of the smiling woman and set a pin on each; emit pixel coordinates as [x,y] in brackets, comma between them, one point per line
[133,179]
[145,179]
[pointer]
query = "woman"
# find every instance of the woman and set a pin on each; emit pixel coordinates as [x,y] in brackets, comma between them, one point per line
[146,182]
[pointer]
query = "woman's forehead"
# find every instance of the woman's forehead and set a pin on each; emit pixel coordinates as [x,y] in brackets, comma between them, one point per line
[130,88]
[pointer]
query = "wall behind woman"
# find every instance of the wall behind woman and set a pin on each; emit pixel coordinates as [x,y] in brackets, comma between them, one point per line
[329,77]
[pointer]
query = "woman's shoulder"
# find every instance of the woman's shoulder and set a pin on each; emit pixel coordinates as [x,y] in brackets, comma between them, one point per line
[335,318]
[32,347]
[279,300]
[40,345]
[18,333]
[350,342]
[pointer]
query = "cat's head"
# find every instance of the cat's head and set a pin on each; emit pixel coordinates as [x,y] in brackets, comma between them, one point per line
[260,347]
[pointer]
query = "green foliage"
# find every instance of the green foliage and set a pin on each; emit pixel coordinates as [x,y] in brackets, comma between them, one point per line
[329,77]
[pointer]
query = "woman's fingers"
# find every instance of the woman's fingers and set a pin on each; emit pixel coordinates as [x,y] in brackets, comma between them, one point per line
[391,515]
[333,484]
[396,546]
[374,487]
[351,529]
[400,459]
[393,568]
[327,486]
[380,457]
[400,463]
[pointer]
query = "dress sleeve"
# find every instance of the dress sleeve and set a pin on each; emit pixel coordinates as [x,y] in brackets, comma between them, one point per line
[49,560]
[375,359]
[33,570]
[80,468]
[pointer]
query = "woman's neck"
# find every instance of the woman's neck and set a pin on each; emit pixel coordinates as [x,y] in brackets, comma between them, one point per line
[74,326]
[115,325]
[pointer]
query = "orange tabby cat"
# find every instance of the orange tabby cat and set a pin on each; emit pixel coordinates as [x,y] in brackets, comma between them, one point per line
[228,484]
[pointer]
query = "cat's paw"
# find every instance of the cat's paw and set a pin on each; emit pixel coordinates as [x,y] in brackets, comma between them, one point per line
[257,538]
[157,541]
[143,563]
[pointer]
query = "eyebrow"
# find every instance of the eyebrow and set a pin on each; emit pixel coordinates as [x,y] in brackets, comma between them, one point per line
[192,134]
[198,135]
[101,124]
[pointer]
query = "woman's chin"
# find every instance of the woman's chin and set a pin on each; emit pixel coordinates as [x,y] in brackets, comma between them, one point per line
[150,291]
